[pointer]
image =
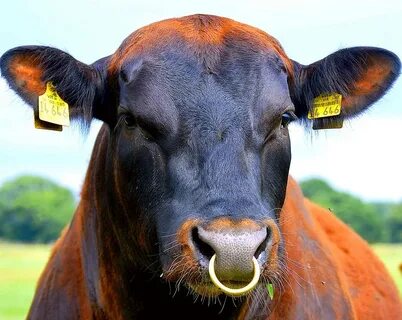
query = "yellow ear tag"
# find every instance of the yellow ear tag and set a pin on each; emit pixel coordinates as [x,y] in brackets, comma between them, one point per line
[326,105]
[52,108]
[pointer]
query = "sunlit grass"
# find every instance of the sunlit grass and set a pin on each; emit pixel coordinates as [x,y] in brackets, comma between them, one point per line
[21,265]
[391,255]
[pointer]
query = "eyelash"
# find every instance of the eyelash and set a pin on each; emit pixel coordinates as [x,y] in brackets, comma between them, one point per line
[148,131]
[287,118]
[129,121]
[151,133]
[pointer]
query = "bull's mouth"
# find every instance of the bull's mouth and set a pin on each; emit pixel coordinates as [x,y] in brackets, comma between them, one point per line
[209,289]
[200,284]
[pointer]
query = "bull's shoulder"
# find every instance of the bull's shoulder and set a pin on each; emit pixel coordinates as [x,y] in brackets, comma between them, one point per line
[332,273]
[369,285]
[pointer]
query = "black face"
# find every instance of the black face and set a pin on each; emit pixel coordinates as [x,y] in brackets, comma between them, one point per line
[203,145]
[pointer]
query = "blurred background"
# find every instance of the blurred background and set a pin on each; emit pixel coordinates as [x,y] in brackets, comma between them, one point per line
[355,171]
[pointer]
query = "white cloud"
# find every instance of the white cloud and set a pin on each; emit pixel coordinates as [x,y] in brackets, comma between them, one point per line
[364,157]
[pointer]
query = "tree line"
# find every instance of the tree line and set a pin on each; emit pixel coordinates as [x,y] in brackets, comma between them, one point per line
[35,209]
[374,221]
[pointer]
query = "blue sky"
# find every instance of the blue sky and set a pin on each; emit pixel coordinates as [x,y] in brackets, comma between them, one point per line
[364,158]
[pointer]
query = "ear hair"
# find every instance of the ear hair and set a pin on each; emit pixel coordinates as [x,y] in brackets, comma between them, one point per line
[346,72]
[27,69]
[104,97]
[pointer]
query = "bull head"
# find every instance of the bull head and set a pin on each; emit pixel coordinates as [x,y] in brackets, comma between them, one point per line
[192,161]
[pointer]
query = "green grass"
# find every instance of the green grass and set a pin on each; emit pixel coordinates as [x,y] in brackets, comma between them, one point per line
[391,255]
[21,265]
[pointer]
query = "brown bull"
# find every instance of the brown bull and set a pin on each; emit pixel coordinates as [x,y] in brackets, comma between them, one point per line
[190,170]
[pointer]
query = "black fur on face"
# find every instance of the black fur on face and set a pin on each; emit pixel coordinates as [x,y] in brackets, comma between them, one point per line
[202,145]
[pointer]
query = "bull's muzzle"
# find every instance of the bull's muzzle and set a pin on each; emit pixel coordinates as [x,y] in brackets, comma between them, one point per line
[234,249]
[234,253]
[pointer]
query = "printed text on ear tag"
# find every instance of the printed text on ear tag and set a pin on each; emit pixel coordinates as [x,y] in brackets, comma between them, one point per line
[52,108]
[326,105]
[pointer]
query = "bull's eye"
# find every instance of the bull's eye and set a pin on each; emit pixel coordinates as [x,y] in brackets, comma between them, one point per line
[129,121]
[148,130]
[287,118]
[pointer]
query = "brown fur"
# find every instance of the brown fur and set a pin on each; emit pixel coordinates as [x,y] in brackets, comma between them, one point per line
[330,269]
[226,223]
[30,75]
[331,266]
[369,83]
[182,264]
[216,29]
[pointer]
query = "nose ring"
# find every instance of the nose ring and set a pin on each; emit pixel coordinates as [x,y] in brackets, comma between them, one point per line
[231,291]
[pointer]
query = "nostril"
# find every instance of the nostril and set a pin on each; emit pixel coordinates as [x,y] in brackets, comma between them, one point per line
[203,248]
[263,246]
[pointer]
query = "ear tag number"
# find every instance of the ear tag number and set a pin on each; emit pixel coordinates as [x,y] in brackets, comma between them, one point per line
[52,108]
[39,124]
[326,105]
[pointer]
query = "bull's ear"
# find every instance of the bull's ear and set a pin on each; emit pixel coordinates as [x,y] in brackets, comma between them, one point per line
[362,75]
[28,69]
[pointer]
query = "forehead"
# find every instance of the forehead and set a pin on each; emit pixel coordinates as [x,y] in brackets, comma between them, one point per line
[202,61]
[202,36]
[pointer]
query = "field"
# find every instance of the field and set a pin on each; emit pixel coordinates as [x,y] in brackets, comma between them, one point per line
[391,255]
[20,267]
